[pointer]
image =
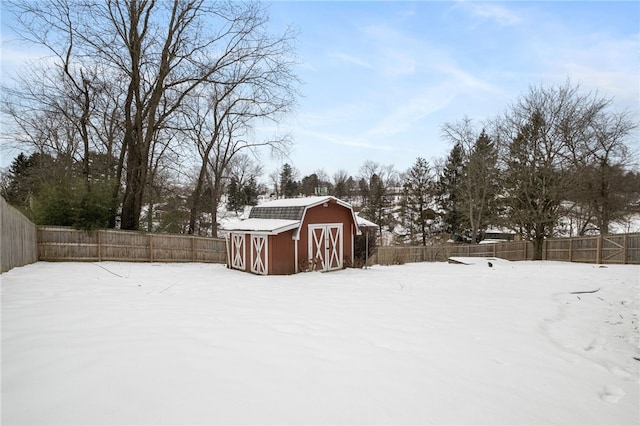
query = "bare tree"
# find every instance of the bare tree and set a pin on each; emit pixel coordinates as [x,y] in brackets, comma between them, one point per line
[160,52]
[376,183]
[167,56]
[340,185]
[222,118]
[274,180]
[243,168]
[476,187]
[543,131]
[602,158]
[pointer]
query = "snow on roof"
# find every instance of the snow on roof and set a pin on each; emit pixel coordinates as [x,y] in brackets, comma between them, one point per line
[263,225]
[282,215]
[362,222]
[296,202]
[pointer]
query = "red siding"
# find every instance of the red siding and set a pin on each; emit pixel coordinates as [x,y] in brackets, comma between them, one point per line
[281,248]
[333,213]
[282,254]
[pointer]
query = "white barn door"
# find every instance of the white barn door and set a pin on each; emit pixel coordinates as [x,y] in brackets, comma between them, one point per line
[259,254]
[237,251]
[325,246]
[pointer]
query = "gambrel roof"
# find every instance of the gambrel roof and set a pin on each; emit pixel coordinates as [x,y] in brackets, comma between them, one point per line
[282,215]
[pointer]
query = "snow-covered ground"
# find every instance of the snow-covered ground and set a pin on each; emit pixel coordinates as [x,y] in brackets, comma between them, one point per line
[432,343]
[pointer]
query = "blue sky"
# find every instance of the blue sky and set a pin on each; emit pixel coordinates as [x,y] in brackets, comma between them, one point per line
[381,78]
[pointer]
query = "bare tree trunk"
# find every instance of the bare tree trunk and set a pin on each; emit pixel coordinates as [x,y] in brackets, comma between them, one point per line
[216,195]
[196,196]
[538,247]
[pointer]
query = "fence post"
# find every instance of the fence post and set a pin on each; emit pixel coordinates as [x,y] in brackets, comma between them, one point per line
[624,250]
[545,249]
[193,249]
[599,250]
[99,246]
[570,249]
[150,248]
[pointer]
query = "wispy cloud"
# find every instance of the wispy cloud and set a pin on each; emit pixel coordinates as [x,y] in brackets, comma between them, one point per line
[350,59]
[345,140]
[484,11]
[597,61]
[412,110]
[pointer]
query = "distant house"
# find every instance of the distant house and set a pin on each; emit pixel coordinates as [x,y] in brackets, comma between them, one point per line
[288,236]
[495,235]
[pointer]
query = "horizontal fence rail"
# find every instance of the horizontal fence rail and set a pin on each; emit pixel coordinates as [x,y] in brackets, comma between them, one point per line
[605,249]
[66,244]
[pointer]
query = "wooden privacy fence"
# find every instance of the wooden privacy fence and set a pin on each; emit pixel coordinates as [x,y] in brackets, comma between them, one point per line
[517,250]
[66,244]
[610,249]
[623,249]
[18,238]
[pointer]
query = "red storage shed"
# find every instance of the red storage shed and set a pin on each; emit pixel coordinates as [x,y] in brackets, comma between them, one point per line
[291,235]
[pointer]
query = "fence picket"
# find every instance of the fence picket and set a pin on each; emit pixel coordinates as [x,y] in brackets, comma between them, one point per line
[18,238]
[60,244]
[594,249]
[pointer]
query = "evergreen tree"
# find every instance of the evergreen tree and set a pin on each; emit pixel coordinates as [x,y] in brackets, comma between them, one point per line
[26,175]
[534,184]
[479,183]
[416,199]
[343,186]
[235,196]
[240,195]
[364,194]
[309,184]
[376,206]
[288,186]
[250,192]
[448,192]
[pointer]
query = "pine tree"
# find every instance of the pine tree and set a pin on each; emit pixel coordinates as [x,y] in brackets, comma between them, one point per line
[235,196]
[448,192]
[240,195]
[288,186]
[26,175]
[479,183]
[309,184]
[534,183]
[250,192]
[417,191]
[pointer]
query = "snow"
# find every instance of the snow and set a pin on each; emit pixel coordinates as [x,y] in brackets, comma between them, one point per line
[298,202]
[364,223]
[430,343]
[263,225]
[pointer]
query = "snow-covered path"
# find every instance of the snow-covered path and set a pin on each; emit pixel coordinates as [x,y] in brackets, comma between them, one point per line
[432,343]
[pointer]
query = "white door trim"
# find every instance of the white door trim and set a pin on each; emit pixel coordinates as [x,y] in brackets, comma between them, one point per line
[237,251]
[259,245]
[326,246]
